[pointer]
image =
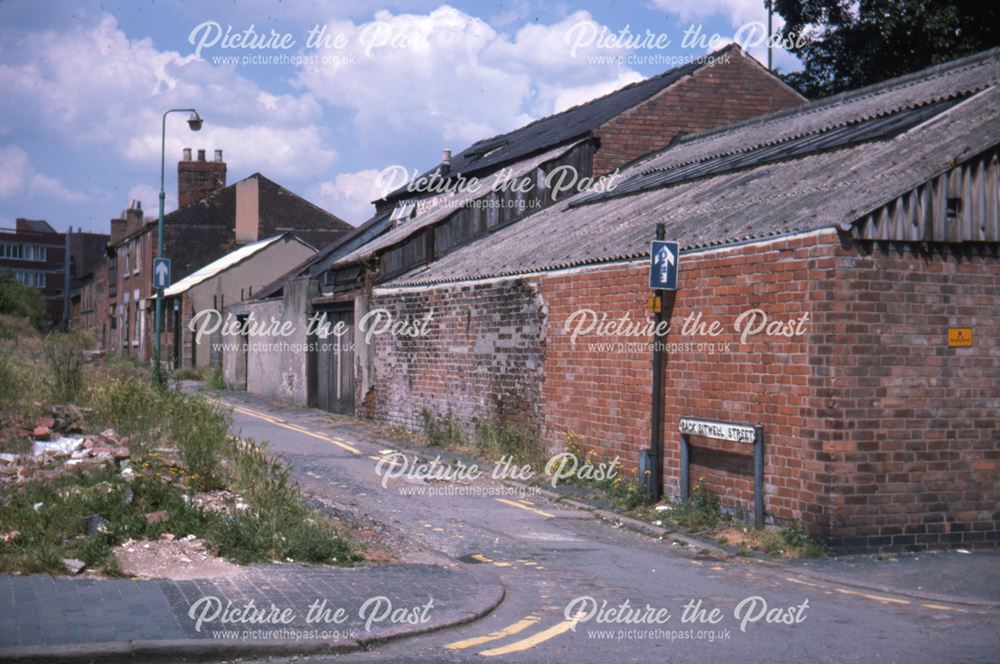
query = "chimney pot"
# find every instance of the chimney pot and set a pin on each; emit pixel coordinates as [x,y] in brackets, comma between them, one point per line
[218,155]
[187,154]
[446,157]
[201,155]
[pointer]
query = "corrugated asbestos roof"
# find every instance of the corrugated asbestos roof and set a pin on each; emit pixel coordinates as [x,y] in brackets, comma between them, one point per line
[797,193]
[564,126]
[221,265]
[441,207]
[320,263]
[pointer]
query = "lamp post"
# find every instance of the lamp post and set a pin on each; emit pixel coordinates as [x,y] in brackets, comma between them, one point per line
[194,122]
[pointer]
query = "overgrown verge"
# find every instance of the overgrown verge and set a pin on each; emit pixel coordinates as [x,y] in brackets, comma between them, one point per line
[80,502]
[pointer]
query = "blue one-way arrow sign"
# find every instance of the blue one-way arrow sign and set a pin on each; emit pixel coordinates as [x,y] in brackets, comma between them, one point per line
[663,260]
[161,272]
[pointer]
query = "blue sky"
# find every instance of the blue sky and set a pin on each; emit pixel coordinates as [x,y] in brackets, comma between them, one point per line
[85,83]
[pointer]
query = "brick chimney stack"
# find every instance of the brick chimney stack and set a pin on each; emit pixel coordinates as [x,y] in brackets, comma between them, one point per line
[197,179]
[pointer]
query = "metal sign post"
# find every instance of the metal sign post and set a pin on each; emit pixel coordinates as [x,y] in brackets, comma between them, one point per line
[664,258]
[737,433]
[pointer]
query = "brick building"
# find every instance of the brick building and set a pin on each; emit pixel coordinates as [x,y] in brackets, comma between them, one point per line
[213,220]
[866,226]
[34,253]
[435,215]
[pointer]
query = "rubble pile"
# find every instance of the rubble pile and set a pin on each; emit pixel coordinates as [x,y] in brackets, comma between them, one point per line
[59,445]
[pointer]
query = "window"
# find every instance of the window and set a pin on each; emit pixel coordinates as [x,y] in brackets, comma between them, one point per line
[30,278]
[128,268]
[23,252]
[137,261]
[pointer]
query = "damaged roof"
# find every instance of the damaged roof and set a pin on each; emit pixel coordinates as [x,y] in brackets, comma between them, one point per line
[439,208]
[573,123]
[823,165]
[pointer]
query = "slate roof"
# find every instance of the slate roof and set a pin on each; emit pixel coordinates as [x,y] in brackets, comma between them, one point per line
[793,193]
[552,130]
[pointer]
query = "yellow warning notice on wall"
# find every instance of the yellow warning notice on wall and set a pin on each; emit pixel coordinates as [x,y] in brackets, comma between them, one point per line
[959,337]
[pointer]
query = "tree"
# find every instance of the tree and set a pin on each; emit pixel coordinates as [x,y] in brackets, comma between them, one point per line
[846,45]
[19,300]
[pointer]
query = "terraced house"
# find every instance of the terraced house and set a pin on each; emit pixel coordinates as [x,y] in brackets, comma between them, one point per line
[212,220]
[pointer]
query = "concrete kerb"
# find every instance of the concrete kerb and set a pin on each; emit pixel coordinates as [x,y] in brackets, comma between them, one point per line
[489,595]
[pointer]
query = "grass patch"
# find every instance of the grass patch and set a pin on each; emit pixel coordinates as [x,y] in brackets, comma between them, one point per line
[180,445]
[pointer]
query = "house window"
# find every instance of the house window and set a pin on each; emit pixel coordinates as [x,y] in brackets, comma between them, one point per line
[23,252]
[128,266]
[30,278]
[137,262]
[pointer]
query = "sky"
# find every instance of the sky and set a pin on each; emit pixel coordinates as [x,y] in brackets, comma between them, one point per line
[320,97]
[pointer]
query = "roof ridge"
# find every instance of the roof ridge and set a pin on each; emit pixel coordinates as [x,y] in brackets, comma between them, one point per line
[815,106]
[699,61]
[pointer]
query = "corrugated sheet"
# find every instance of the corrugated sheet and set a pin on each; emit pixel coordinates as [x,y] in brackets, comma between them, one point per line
[448,204]
[828,189]
[962,205]
[222,264]
[879,128]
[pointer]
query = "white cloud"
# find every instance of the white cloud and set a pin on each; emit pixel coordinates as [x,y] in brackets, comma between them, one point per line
[19,177]
[453,78]
[96,87]
[349,195]
[42,186]
[13,170]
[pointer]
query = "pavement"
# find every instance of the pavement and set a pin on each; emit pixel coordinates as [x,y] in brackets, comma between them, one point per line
[522,577]
[69,618]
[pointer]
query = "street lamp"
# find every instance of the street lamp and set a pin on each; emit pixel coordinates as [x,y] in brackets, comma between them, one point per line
[194,122]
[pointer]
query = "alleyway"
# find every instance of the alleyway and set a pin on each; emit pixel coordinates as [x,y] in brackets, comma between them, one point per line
[547,556]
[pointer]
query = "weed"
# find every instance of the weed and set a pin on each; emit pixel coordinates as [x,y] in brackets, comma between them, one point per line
[187,374]
[442,431]
[216,381]
[64,359]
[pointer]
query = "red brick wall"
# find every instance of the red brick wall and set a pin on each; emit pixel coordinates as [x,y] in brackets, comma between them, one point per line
[876,433]
[912,431]
[730,90]
[199,179]
[483,357]
[604,395]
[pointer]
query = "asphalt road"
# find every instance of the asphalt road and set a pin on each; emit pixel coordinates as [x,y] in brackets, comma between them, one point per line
[565,572]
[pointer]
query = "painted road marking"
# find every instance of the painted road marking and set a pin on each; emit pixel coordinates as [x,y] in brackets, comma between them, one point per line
[339,442]
[509,630]
[525,507]
[941,607]
[877,598]
[534,639]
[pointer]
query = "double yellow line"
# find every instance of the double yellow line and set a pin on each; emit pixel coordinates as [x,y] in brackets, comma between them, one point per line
[516,628]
